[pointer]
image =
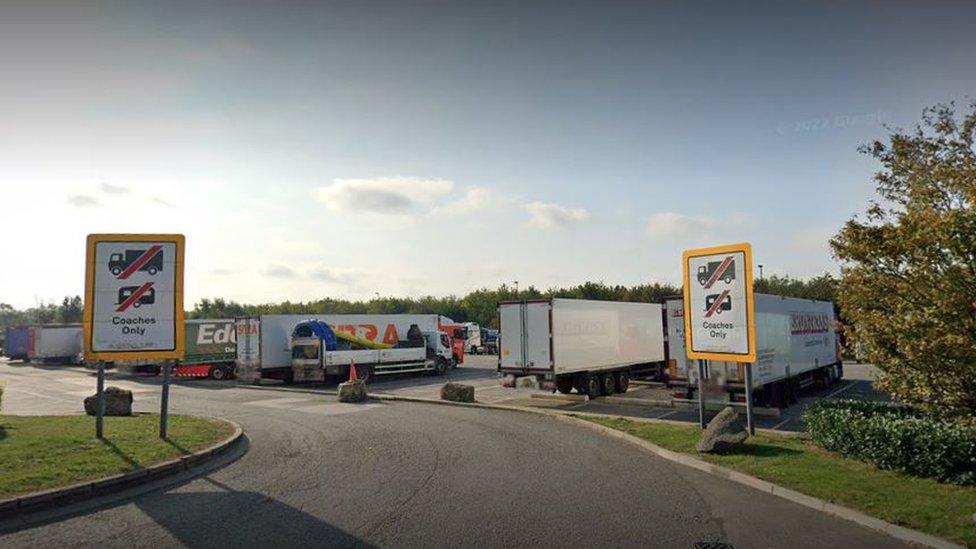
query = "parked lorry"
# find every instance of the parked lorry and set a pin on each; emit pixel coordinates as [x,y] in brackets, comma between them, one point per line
[211,348]
[489,338]
[319,352]
[796,342]
[473,338]
[589,346]
[17,342]
[264,341]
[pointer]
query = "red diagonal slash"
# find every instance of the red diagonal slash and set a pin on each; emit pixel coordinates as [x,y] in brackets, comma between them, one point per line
[134,297]
[719,272]
[716,304]
[140,261]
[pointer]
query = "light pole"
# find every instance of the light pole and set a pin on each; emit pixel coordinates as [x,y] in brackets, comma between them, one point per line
[760,272]
[516,288]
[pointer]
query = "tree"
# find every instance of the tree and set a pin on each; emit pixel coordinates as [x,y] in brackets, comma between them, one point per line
[908,281]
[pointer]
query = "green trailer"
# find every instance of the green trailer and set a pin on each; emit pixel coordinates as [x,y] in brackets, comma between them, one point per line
[213,343]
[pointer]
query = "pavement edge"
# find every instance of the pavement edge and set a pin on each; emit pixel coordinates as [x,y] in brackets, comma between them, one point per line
[45,499]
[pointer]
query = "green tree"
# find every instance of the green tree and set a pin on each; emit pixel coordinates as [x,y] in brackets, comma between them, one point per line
[908,281]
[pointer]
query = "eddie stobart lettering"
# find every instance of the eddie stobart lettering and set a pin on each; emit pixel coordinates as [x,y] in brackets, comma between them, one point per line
[717,328]
[132,325]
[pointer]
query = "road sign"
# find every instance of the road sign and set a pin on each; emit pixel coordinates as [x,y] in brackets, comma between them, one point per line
[134,297]
[719,311]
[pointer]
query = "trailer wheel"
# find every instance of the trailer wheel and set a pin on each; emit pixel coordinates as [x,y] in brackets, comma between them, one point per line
[592,386]
[218,373]
[607,384]
[564,384]
[622,380]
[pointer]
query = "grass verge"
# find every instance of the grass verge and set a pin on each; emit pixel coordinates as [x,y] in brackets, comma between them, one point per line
[43,452]
[944,510]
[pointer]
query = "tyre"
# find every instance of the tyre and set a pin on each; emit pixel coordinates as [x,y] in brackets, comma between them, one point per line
[622,381]
[592,386]
[564,384]
[440,366]
[218,373]
[152,270]
[116,271]
[607,384]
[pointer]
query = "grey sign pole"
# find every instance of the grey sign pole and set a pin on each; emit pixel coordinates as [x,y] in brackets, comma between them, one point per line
[752,428]
[701,393]
[100,411]
[164,402]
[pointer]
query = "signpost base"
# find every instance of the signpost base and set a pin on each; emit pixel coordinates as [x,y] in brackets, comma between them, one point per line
[701,393]
[749,423]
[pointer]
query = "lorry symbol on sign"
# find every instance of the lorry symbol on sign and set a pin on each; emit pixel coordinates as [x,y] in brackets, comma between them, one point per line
[123,265]
[707,272]
[136,296]
[716,303]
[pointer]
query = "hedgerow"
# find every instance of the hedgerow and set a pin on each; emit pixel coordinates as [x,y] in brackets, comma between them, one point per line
[897,438]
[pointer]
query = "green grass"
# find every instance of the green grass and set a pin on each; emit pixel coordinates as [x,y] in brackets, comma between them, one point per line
[42,452]
[944,510]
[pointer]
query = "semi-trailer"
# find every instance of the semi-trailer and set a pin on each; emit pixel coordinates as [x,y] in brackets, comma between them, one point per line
[264,341]
[17,342]
[211,348]
[319,352]
[590,346]
[796,343]
[56,343]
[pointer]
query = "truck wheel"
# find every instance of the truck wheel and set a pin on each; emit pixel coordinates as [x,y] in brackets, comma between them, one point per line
[151,270]
[218,373]
[116,271]
[440,366]
[564,384]
[607,384]
[592,386]
[622,380]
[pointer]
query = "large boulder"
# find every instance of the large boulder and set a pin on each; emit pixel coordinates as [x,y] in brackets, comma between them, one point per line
[118,402]
[723,432]
[352,391]
[457,392]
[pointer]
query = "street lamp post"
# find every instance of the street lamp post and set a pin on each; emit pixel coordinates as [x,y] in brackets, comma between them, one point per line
[516,288]
[760,272]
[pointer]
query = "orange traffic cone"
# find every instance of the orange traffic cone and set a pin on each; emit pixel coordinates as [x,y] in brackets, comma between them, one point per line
[352,371]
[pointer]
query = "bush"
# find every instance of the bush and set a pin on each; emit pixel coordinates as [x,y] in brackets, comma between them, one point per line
[898,438]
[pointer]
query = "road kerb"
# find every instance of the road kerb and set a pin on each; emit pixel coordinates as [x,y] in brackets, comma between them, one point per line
[898,532]
[45,499]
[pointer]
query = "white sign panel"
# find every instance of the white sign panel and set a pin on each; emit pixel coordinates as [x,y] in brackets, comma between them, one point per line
[718,303]
[134,297]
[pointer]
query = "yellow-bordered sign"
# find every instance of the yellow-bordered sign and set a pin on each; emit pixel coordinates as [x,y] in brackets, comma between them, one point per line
[720,319]
[134,297]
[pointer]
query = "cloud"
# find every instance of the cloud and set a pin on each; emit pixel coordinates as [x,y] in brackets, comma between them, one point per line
[546,215]
[112,189]
[382,195]
[161,201]
[332,274]
[220,272]
[82,200]
[476,198]
[672,225]
[277,270]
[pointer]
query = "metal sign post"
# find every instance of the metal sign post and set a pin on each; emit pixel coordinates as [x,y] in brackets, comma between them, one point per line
[702,366]
[100,410]
[752,428]
[133,303]
[164,402]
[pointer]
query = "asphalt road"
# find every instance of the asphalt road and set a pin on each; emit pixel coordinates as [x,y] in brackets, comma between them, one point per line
[320,473]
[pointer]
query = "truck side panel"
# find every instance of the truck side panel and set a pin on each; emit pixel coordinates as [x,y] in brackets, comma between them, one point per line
[210,341]
[510,324]
[599,335]
[61,342]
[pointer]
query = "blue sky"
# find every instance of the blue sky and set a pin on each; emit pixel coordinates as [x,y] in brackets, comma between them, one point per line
[316,149]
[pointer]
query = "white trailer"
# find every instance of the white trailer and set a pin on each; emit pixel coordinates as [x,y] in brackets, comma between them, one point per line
[590,346]
[796,344]
[56,342]
[264,341]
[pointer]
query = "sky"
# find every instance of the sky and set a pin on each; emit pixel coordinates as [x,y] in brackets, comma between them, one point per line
[363,148]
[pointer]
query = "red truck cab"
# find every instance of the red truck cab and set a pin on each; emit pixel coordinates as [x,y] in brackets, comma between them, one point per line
[458,335]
